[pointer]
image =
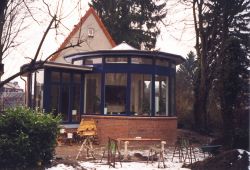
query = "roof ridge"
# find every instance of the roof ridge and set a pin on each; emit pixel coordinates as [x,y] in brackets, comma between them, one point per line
[77,27]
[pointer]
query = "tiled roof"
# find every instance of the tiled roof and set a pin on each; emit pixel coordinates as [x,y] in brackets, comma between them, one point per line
[12,85]
[78,26]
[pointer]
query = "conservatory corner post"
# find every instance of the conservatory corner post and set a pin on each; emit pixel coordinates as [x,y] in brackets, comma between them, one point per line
[153,95]
[82,91]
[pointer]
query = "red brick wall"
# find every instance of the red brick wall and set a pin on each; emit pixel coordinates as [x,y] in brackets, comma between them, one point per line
[148,127]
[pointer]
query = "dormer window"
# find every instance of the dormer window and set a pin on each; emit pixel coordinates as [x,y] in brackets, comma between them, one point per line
[90,32]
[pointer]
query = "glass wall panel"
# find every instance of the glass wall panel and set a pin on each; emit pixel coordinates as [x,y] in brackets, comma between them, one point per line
[54,91]
[162,62]
[55,76]
[92,93]
[65,77]
[161,95]
[140,94]
[65,102]
[78,62]
[91,61]
[116,60]
[115,93]
[141,60]
[77,78]
[62,92]
[76,92]
[39,89]
[33,81]
[75,103]
[173,65]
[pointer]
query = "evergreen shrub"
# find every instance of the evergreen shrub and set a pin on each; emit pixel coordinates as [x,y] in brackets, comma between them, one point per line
[27,137]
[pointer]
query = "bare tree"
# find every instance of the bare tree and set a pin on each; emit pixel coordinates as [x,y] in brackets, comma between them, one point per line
[12,17]
[55,21]
[213,22]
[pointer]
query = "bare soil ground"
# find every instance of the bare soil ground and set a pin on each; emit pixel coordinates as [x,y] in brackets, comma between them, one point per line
[229,160]
[66,153]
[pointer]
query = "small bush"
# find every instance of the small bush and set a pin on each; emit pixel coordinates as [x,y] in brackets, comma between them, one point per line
[27,137]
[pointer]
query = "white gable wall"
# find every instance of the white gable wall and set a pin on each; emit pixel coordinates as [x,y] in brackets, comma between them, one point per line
[98,42]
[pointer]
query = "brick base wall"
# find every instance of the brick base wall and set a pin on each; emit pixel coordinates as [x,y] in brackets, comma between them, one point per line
[123,126]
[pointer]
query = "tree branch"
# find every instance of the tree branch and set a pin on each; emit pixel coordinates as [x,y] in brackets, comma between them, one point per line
[33,66]
[43,38]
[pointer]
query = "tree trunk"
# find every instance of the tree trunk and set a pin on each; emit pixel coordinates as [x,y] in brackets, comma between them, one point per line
[227,100]
[228,126]
[2,21]
[200,106]
[202,86]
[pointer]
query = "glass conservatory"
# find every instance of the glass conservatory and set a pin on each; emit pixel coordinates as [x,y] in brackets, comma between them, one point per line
[122,81]
[109,82]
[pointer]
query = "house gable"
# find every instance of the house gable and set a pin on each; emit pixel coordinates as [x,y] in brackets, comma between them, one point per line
[92,31]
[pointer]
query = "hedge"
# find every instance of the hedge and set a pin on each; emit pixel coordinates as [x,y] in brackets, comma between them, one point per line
[27,138]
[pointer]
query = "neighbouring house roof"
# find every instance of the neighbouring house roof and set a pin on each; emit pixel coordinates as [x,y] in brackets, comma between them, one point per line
[77,28]
[12,85]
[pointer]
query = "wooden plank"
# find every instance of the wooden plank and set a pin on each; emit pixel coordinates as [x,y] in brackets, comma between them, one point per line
[139,139]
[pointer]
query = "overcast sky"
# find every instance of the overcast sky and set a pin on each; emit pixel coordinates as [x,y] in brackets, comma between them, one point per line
[177,37]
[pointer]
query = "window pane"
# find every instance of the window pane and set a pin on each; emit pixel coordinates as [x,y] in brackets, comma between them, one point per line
[55,76]
[65,77]
[141,60]
[78,62]
[91,61]
[162,62]
[77,78]
[115,92]
[33,81]
[54,91]
[92,93]
[173,65]
[161,95]
[116,60]
[140,94]
[76,103]
[39,89]
[65,102]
